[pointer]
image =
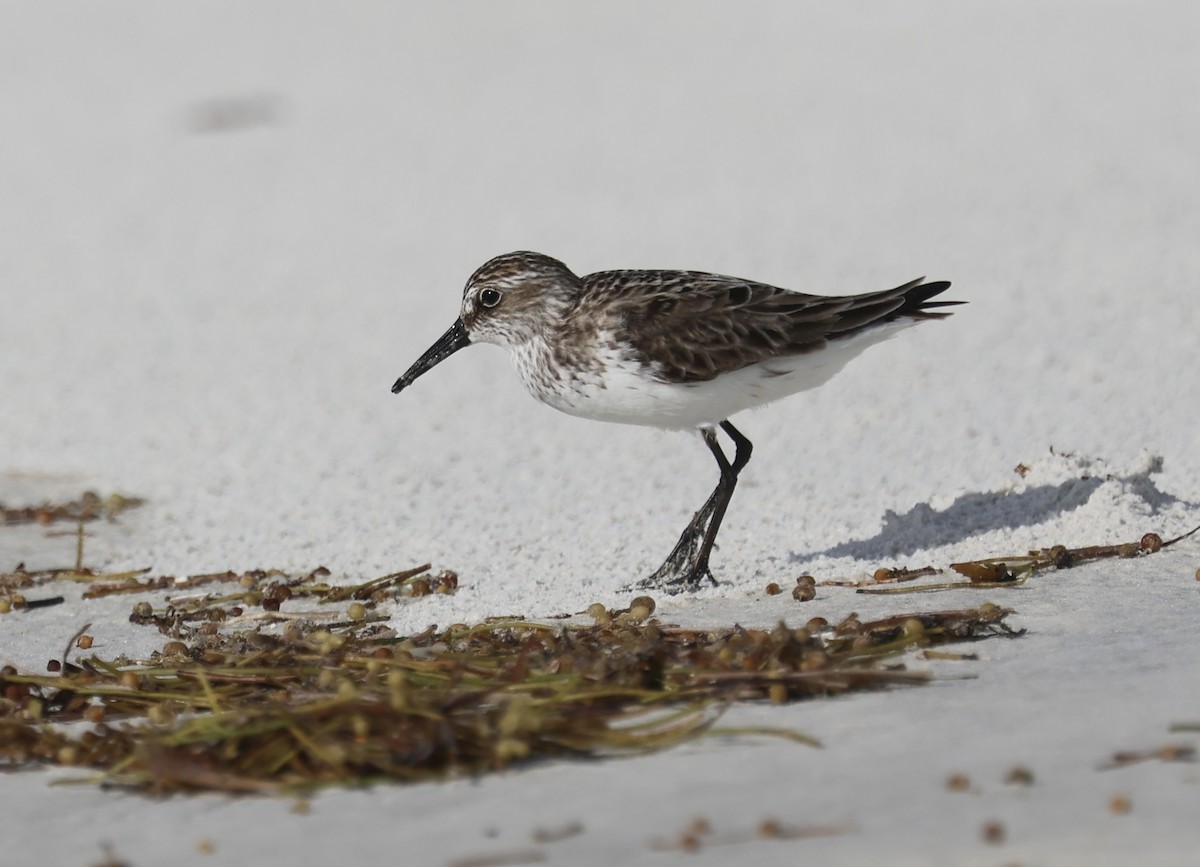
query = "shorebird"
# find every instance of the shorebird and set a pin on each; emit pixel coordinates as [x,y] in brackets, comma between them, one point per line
[670,349]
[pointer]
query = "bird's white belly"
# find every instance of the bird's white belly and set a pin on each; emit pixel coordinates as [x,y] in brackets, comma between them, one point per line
[618,389]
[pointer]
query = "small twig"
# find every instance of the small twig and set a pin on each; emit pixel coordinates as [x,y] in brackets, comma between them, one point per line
[79,546]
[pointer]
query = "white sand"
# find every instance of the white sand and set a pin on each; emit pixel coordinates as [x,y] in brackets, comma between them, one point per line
[212,319]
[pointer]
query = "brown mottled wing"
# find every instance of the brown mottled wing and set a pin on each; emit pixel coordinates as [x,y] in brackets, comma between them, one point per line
[689,326]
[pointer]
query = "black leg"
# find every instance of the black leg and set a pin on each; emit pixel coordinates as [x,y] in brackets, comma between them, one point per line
[687,564]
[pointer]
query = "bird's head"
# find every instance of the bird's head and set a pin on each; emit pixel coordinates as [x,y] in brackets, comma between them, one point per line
[507,301]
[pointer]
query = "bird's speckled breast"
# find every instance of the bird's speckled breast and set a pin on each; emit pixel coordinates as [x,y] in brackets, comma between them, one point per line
[570,379]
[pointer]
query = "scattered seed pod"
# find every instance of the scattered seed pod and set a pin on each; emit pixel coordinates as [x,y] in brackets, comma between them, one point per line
[18,600]
[958,782]
[1120,805]
[1152,542]
[882,574]
[804,592]
[84,642]
[175,648]
[54,665]
[143,610]
[278,590]
[773,589]
[989,611]
[816,624]
[638,614]
[6,603]
[357,611]
[770,828]
[1019,775]
[993,832]
[644,602]
[420,587]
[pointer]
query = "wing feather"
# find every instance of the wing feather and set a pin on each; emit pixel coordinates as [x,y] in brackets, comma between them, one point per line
[689,326]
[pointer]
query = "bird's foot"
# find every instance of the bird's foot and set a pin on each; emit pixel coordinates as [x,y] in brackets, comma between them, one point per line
[672,579]
[686,566]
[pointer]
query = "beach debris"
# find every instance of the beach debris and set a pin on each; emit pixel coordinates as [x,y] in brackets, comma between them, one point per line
[285,702]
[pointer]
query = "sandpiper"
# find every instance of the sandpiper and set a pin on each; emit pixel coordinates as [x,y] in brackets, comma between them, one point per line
[670,349]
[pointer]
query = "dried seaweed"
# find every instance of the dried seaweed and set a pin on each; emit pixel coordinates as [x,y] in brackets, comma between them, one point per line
[256,711]
[1001,572]
[89,507]
[1168,753]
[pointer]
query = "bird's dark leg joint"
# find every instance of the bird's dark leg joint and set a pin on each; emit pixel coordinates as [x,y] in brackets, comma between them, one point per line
[741,443]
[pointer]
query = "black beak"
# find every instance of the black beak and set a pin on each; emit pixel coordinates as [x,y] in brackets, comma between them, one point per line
[448,344]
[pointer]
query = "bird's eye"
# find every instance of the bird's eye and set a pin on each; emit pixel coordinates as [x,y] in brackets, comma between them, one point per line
[489,297]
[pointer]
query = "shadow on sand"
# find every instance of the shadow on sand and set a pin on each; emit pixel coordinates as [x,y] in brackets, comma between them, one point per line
[976,513]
